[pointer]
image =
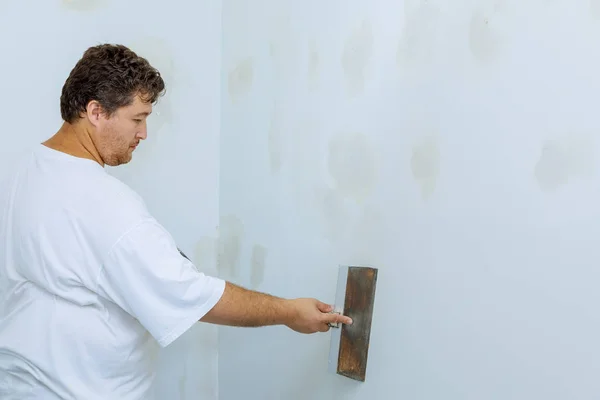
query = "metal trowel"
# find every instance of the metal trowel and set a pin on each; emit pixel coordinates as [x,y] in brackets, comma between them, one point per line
[355,298]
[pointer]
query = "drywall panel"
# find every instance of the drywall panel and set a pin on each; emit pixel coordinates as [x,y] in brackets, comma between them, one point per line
[451,145]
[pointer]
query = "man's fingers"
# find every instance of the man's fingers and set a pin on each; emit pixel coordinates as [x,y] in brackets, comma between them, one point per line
[338,318]
[324,307]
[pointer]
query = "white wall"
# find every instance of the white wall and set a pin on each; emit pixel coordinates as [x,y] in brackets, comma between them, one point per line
[176,169]
[453,145]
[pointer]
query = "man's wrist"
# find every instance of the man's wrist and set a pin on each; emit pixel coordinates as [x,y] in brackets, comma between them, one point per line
[288,312]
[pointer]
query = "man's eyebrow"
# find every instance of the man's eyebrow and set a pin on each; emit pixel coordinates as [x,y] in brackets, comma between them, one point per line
[142,114]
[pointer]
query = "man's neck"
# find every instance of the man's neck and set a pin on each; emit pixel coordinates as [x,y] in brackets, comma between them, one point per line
[76,141]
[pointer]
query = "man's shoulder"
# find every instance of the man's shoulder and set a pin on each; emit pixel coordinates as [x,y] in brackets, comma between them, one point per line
[121,191]
[116,201]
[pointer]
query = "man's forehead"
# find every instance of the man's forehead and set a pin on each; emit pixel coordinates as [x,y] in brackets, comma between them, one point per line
[140,108]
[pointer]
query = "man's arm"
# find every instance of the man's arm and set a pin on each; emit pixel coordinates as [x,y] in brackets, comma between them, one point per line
[242,307]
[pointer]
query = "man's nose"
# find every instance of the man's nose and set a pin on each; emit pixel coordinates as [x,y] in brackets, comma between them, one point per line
[143,133]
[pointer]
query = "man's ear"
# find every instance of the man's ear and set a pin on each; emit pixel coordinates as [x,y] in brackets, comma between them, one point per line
[94,112]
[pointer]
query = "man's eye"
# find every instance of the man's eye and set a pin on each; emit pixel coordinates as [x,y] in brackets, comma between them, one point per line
[137,120]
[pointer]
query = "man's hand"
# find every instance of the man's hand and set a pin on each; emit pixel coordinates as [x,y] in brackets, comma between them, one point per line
[311,315]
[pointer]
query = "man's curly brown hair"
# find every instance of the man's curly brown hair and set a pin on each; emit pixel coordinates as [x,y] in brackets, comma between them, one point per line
[113,75]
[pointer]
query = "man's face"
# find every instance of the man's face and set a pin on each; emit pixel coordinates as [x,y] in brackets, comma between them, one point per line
[117,137]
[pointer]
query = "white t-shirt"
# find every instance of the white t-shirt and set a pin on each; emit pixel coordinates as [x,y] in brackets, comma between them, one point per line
[90,284]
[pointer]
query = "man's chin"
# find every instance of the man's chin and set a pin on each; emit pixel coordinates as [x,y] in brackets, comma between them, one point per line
[120,161]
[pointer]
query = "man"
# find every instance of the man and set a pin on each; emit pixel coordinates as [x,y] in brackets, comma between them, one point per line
[90,282]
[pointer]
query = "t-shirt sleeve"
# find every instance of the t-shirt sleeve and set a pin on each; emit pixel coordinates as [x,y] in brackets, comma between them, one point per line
[145,274]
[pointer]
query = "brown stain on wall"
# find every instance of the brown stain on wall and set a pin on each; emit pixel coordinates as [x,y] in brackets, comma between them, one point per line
[240,79]
[231,234]
[258,263]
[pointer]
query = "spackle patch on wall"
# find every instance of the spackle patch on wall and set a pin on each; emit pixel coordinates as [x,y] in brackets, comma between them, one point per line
[425,166]
[352,165]
[240,79]
[275,138]
[231,233]
[418,35]
[84,5]
[563,160]
[485,32]
[258,264]
[356,56]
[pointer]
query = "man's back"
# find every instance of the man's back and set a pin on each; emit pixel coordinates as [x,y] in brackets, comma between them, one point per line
[87,278]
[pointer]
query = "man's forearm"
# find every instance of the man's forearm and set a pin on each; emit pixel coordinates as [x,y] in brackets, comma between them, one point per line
[243,307]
